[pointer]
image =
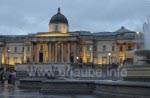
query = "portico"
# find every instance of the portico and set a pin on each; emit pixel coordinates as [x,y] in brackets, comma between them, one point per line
[54,50]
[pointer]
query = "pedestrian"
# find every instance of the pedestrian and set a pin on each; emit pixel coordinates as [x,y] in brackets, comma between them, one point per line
[9,79]
[2,78]
[13,77]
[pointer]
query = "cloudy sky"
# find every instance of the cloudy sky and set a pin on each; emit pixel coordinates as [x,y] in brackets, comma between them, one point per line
[31,16]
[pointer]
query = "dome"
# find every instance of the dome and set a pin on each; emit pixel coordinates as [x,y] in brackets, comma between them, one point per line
[58,18]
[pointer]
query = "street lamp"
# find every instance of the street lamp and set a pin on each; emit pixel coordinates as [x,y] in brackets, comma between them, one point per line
[8,56]
[109,54]
[77,59]
[91,59]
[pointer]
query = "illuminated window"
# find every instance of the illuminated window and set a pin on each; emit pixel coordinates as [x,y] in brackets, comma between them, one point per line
[88,60]
[121,48]
[41,47]
[15,60]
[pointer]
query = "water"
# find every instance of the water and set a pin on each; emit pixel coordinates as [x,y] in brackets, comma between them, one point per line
[14,92]
[147,34]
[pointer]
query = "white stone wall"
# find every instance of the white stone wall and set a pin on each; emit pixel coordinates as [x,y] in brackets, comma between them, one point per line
[99,54]
[15,56]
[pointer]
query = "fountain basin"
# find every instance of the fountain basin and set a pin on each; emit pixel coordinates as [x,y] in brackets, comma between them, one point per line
[102,88]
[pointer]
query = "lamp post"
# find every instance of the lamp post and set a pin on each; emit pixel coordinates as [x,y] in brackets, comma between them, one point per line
[8,57]
[91,59]
[77,58]
[109,54]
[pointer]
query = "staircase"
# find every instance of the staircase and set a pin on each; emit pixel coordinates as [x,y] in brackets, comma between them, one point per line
[21,74]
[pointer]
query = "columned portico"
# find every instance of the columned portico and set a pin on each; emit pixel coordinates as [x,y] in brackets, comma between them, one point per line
[54,50]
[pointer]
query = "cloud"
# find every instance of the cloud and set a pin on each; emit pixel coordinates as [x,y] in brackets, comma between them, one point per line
[31,16]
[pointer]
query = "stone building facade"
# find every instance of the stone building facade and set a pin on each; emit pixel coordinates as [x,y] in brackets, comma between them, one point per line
[59,45]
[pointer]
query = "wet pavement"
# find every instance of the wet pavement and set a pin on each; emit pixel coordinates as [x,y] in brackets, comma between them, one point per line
[8,91]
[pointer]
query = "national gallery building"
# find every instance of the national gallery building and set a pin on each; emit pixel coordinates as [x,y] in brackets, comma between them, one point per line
[59,45]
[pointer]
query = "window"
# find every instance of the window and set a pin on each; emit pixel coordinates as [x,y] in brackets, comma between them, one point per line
[95,48]
[15,59]
[104,47]
[88,48]
[113,48]
[15,49]
[138,46]
[121,48]
[28,49]
[56,27]
[22,60]
[0,49]
[41,48]
[129,47]
[80,48]
[88,60]
[22,49]
[7,49]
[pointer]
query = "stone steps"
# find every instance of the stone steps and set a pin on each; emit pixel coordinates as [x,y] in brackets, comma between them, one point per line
[21,74]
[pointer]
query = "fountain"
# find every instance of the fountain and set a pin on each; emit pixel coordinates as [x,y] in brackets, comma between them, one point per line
[140,71]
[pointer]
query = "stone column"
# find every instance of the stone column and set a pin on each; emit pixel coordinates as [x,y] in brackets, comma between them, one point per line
[25,54]
[124,51]
[50,52]
[75,51]
[68,52]
[62,52]
[44,53]
[91,53]
[117,52]
[31,52]
[56,51]
[37,53]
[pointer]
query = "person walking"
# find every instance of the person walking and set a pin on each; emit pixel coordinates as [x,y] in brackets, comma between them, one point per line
[9,79]
[2,78]
[13,78]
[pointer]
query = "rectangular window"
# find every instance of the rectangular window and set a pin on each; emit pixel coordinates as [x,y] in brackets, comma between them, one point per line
[104,47]
[113,48]
[95,48]
[121,48]
[28,49]
[104,60]
[15,60]
[80,48]
[0,49]
[15,49]
[80,60]
[88,60]
[23,49]
[129,47]
[8,49]
[22,59]
[88,48]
